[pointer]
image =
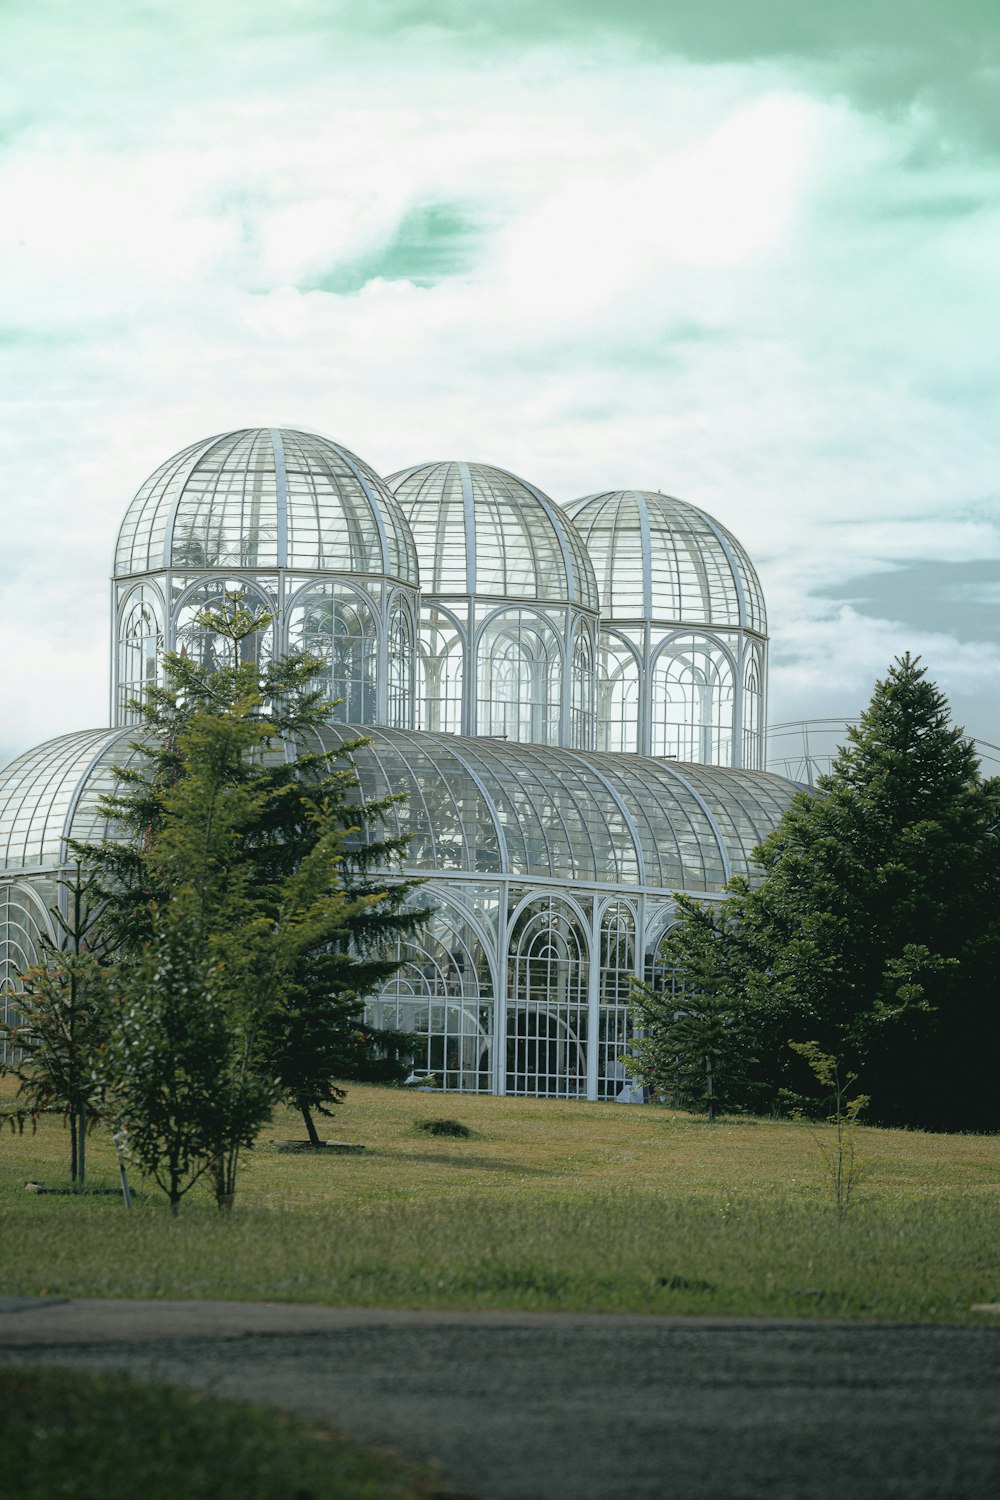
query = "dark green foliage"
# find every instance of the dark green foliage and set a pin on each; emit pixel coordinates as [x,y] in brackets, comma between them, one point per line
[445,1127]
[693,1045]
[875,928]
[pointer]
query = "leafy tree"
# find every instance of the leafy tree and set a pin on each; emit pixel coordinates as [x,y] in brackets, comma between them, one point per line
[873,929]
[312,1028]
[693,1046]
[63,1020]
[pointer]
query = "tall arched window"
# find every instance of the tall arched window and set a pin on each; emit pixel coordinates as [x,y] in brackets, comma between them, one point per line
[23,925]
[617,972]
[581,731]
[443,993]
[140,645]
[753,749]
[617,696]
[520,678]
[400,654]
[338,625]
[692,707]
[547,1001]
[441,673]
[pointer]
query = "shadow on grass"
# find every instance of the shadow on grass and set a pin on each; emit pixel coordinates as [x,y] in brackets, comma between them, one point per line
[479,1163]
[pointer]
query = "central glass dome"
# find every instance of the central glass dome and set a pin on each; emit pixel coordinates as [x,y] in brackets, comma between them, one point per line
[509,607]
[481,530]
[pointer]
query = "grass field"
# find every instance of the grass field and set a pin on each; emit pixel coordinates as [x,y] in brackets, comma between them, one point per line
[548,1205]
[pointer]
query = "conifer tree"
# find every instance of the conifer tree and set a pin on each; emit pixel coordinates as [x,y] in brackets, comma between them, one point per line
[313,1031]
[873,928]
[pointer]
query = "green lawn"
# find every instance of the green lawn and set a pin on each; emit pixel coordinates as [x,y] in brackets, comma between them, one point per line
[548,1205]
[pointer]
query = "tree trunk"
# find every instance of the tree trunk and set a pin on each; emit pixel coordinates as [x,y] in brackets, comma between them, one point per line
[311,1131]
[72,1146]
[81,1153]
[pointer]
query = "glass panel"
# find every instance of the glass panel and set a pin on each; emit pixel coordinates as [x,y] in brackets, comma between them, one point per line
[520,678]
[338,625]
[692,702]
[547,1002]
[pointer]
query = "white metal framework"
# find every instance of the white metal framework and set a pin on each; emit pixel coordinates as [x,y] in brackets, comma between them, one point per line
[508,624]
[552,876]
[683,643]
[571,701]
[307,529]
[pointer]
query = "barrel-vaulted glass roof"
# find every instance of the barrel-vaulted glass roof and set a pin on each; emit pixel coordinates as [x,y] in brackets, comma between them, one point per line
[660,559]
[262,498]
[478,807]
[485,805]
[481,530]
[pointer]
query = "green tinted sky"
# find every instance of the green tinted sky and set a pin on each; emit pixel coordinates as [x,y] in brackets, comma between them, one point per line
[743,253]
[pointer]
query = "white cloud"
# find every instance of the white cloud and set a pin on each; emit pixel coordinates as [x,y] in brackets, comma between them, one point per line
[713,281]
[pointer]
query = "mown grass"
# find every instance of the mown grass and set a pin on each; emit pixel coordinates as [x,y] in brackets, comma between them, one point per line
[549,1204]
[73,1434]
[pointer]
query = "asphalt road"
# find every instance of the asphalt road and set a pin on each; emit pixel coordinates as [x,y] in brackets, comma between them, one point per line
[522,1407]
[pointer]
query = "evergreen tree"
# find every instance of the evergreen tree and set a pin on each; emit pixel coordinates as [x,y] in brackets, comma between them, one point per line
[693,1045]
[874,929]
[312,1027]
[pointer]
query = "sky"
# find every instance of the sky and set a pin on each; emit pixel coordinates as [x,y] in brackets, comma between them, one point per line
[744,254]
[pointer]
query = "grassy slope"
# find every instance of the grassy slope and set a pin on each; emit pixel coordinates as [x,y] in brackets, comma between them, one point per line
[559,1205]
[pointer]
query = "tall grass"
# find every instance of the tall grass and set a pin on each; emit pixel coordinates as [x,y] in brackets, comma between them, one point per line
[548,1205]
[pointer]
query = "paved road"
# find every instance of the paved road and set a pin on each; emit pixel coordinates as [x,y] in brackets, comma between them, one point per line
[522,1407]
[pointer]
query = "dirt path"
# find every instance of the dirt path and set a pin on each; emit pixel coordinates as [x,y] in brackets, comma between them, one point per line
[561,1407]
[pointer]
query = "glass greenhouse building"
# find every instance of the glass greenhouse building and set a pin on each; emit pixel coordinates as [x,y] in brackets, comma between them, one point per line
[572,698]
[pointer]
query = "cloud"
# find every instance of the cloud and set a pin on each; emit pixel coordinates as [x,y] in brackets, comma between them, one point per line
[600,248]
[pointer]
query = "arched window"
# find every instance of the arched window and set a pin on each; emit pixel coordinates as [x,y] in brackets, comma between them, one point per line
[753,749]
[338,625]
[140,645]
[23,925]
[547,1002]
[443,993]
[209,649]
[617,696]
[441,669]
[617,973]
[692,707]
[581,733]
[520,678]
[400,652]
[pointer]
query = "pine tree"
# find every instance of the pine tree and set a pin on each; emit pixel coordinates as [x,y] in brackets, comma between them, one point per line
[692,1044]
[874,928]
[313,1031]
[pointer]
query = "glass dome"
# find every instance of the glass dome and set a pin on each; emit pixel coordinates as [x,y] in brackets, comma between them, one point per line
[657,558]
[683,647]
[306,531]
[266,498]
[481,530]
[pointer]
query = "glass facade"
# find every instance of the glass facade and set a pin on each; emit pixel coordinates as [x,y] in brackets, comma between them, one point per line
[570,701]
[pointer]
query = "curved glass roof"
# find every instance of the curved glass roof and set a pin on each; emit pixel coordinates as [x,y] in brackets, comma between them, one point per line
[473,806]
[266,497]
[657,558]
[484,805]
[480,530]
[53,788]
